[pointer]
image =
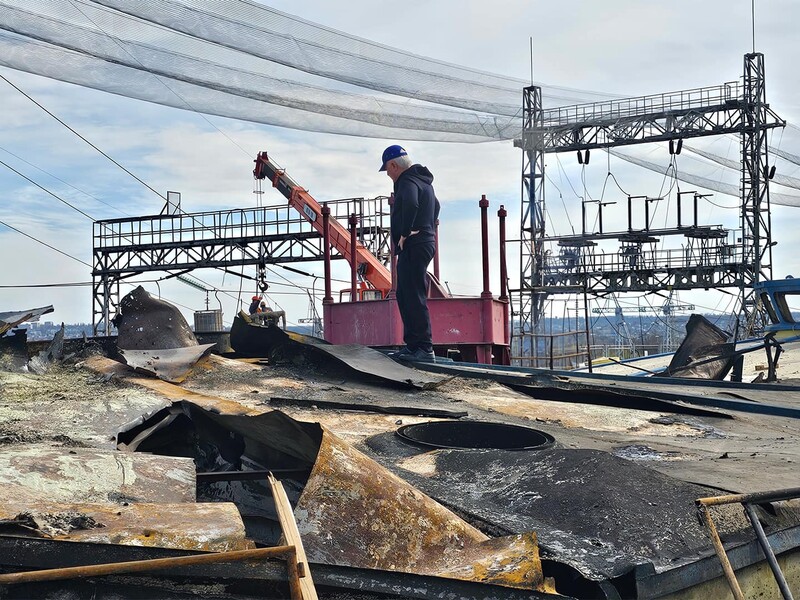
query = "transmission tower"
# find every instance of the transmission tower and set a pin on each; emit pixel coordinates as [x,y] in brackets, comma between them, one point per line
[717,259]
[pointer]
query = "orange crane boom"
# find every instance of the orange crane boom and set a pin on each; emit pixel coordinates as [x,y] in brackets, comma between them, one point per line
[373,270]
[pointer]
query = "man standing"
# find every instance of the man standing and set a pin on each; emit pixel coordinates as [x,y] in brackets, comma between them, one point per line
[413,229]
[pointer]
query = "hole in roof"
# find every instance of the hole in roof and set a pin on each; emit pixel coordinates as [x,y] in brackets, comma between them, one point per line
[475,434]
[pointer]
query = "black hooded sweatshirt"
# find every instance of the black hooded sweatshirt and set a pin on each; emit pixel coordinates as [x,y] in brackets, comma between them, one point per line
[416,207]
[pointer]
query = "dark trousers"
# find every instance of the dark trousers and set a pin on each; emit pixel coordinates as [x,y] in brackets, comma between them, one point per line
[412,295]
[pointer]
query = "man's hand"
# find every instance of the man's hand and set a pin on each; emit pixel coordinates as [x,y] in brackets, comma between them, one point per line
[401,242]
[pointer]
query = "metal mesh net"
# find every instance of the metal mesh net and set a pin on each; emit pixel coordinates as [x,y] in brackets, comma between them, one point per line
[251,62]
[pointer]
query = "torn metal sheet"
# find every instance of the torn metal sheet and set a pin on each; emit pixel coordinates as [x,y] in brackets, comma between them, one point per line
[276,344]
[170,364]
[704,353]
[147,323]
[9,320]
[214,527]
[40,363]
[154,337]
[351,511]
[354,512]
[371,362]
[43,473]
[252,339]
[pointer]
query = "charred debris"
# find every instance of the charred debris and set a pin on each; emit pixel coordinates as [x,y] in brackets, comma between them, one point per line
[154,468]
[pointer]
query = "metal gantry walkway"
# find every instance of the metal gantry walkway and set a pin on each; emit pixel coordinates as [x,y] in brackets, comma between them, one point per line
[179,243]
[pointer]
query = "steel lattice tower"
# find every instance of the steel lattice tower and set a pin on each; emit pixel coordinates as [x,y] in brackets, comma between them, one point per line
[731,108]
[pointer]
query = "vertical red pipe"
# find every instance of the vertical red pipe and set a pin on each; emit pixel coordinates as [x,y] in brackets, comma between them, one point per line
[436,253]
[353,221]
[484,204]
[326,251]
[502,214]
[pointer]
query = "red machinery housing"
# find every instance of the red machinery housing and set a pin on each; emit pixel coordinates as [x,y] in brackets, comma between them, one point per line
[475,328]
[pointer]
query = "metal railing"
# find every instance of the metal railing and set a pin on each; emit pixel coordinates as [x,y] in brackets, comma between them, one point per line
[238,224]
[610,110]
[748,501]
[550,350]
[655,260]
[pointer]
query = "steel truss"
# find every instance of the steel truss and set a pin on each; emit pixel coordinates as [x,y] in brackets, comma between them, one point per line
[180,243]
[711,259]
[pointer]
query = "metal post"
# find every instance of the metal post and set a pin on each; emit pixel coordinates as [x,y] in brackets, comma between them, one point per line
[768,553]
[484,205]
[586,325]
[353,221]
[436,252]
[720,549]
[583,217]
[326,251]
[502,214]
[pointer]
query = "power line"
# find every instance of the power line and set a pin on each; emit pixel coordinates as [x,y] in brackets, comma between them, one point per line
[83,138]
[96,199]
[44,189]
[157,78]
[44,243]
[47,285]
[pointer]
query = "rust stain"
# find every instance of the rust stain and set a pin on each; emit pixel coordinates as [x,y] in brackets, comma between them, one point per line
[511,561]
[106,366]
[355,512]
[216,527]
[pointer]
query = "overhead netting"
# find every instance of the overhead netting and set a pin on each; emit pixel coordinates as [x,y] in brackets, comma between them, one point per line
[244,60]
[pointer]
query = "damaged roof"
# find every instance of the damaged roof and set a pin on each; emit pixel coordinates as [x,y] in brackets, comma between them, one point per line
[606,504]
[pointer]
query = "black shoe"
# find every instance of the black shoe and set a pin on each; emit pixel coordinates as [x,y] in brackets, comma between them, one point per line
[404,351]
[418,355]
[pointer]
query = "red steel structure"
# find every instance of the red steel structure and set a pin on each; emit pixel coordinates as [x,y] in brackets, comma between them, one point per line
[477,329]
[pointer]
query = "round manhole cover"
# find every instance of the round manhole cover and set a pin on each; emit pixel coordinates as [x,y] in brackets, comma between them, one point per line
[476,434]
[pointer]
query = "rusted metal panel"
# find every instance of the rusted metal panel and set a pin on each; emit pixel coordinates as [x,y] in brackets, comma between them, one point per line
[43,473]
[107,367]
[352,511]
[213,527]
[512,561]
[355,512]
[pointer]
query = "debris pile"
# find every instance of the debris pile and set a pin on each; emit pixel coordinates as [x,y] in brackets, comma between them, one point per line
[337,461]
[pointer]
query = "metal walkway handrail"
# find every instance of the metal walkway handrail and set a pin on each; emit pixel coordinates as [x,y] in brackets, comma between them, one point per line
[747,501]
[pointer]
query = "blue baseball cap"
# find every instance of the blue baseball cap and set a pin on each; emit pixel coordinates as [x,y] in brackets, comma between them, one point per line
[390,153]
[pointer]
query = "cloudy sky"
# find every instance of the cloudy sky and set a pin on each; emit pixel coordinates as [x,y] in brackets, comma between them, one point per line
[622,47]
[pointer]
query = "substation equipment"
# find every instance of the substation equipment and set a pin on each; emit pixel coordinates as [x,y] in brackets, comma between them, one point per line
[578,264]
